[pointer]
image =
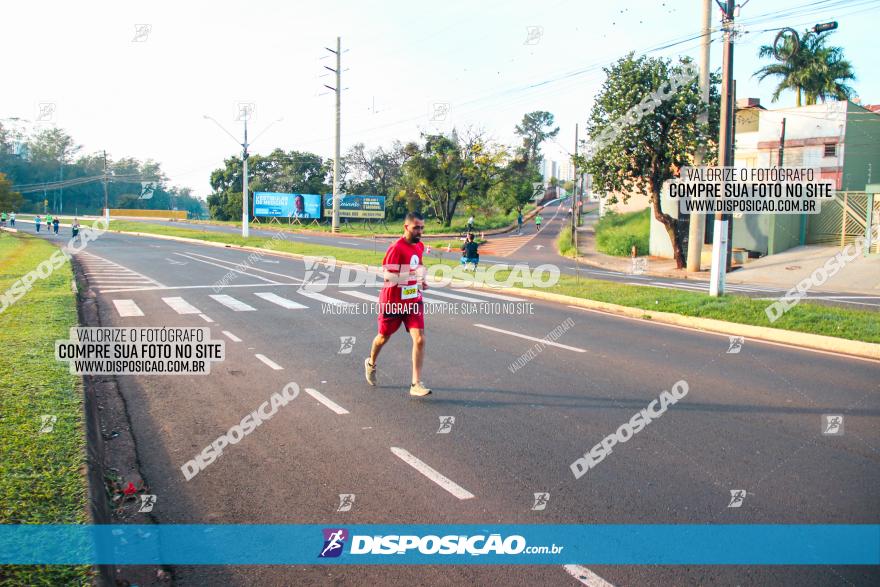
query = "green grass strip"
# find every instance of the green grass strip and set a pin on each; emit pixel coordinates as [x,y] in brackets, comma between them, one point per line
[42,475]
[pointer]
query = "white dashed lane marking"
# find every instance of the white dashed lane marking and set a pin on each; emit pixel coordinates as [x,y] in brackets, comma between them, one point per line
[586,576]
[327,401]
[432,474]
[534,338]
[269,362]
[231,336]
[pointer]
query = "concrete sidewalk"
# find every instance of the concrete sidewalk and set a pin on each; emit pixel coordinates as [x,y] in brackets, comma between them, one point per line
[784,270]
[656,266]
[787,269]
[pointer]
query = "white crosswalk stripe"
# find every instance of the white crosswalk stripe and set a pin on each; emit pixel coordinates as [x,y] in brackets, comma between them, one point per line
[322,298]
[181,306]
[232,303]
[127,308]
[360,295]
[436,292]
[494,296]
[283,302]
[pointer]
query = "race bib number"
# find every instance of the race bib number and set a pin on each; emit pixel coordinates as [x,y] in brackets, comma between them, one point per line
[408,292]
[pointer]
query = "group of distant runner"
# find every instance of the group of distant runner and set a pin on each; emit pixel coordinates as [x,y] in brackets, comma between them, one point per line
[52,223]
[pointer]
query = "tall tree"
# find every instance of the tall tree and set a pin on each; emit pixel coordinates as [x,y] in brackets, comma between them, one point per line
[645,132]
[286,172]
[535,128]
[449,170]
[9,200]
[814,71]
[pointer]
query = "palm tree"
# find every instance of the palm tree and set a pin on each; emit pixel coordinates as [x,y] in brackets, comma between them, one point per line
[814,70]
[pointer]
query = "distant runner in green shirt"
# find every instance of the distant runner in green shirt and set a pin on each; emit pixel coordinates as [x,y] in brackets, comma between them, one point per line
[538,220]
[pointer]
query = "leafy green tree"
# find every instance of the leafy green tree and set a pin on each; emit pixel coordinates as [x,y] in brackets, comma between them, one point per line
[10,200]
[52,146]
[535,128]
[450,170]
[815,71]
[291,172]
[659,133]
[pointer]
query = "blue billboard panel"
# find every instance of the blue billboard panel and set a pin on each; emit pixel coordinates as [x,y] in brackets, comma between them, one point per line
[281,205]
[353,206]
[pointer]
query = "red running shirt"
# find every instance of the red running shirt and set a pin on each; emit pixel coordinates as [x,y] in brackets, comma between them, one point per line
[406,259]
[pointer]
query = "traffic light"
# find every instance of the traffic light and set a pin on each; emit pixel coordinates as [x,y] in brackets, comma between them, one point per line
[825,26]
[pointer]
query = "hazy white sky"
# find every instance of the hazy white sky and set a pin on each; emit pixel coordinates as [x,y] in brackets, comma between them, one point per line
[144,94]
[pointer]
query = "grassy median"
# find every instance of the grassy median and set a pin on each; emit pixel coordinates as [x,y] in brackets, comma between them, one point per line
[358,228]
[42,473]
[805,317]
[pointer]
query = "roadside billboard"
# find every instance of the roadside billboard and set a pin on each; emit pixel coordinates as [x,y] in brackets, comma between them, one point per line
[353,206]
[278,205]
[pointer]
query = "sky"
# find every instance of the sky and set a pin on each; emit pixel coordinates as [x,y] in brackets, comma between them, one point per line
[138,78]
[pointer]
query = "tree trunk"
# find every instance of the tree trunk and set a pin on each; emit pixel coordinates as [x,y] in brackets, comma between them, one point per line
[671,225]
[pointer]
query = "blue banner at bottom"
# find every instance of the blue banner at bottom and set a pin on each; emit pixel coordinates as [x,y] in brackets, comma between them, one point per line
[506,544]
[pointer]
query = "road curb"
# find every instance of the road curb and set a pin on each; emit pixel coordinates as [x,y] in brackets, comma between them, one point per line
[799,339]
[820,342]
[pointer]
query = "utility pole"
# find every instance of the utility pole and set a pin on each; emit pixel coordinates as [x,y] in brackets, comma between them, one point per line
[106,207]
[697,227]
[719,234]
[781,156]
[338,90]
[574,191]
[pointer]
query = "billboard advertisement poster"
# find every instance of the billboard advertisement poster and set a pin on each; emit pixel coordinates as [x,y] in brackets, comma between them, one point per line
[280,205]
[353,206]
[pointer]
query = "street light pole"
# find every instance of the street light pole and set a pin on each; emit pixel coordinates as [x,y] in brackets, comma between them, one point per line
[725,152]
[245,224]
[697,226]
[106,208]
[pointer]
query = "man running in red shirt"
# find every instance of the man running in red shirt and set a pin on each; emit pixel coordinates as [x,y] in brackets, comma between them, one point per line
[401,300]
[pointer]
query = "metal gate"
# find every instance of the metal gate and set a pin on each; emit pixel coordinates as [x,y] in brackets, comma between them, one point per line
[849,216]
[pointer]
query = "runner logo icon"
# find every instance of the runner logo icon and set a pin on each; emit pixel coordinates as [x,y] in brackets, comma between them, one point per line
[334,541]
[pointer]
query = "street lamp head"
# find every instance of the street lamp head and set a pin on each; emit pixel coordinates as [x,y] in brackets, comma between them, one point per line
[825,26]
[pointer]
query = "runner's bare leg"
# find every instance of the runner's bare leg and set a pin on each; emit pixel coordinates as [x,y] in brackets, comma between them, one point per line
[378,343]
[418,353]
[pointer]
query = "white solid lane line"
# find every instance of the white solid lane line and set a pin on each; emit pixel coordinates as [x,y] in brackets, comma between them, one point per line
[283,302]
[295,279]
[269,362]
[326,401]
[232,303]
[127,308]
[229,269]
[586,576]
[432,474]
[534,338]
[181,306]
[231,336]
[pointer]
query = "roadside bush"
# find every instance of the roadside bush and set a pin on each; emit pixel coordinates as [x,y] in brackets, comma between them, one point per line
[617,233]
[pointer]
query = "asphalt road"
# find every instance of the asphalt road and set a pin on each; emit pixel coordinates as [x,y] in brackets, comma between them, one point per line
[751,420]
[536,248]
